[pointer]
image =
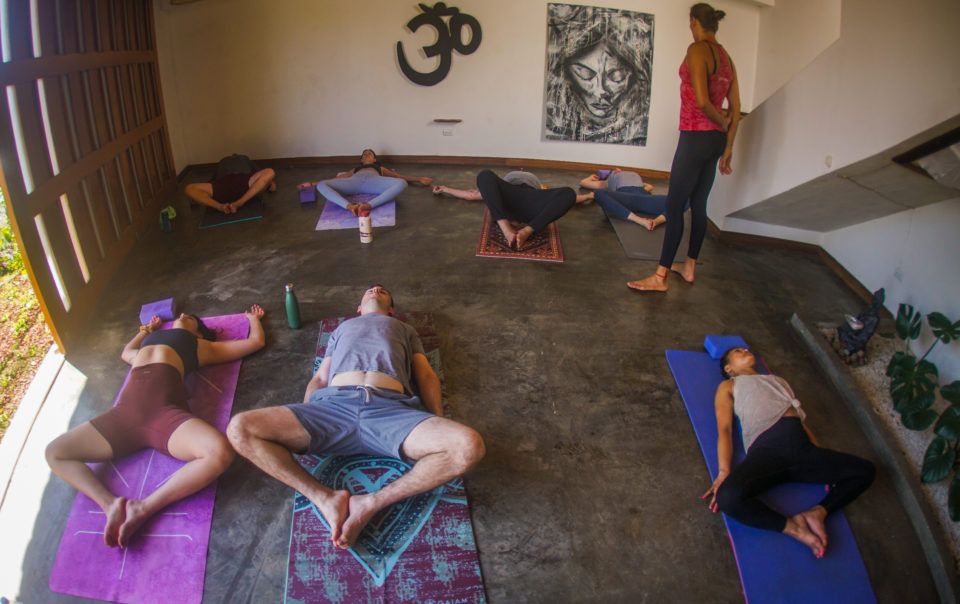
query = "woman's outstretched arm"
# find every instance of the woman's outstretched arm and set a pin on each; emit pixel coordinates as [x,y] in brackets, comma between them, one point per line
[723,405]
[211,353]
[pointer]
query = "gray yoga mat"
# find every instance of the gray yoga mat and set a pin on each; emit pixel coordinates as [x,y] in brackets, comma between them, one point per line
[640,244]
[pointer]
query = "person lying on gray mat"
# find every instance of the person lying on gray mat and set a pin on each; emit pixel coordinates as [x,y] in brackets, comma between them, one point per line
[238,180]
[624,194]
[361,401]
[780,448]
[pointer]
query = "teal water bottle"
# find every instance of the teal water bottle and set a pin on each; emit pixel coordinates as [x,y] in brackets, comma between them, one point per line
[293,308]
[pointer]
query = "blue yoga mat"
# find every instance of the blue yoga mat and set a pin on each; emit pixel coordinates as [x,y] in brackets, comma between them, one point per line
[773,567]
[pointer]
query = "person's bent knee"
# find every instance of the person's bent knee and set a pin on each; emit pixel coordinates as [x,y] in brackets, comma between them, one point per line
[469,449]
[219,452]
[729,497]
[238,430]
[485,176]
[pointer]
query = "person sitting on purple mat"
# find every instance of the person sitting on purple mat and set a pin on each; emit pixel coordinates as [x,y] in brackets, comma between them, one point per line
[780,448]
[152,411]
[238,180]
[368,178]
[361,401]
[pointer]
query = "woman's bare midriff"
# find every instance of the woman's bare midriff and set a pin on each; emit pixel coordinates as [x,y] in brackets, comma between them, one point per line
[367,378]
[791,412]
[158,353]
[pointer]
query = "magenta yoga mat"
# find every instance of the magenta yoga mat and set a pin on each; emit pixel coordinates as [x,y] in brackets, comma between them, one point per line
[166,561]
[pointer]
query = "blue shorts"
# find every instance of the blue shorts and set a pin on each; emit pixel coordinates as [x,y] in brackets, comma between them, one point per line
[352,420]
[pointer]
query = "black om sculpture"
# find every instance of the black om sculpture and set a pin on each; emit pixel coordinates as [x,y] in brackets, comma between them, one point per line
[449,38]
[850,340]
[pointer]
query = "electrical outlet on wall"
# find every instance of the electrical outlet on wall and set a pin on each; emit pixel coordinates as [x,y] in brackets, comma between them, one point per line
[448,131]
[898,274]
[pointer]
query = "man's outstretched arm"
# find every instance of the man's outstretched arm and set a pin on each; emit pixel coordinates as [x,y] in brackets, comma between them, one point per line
[428,383]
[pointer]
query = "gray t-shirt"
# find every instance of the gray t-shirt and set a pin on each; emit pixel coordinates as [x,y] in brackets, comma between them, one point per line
[374,342]
[519,177]
[617,180]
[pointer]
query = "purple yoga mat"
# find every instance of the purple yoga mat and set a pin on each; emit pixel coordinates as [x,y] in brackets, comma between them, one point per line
[167,559]
[334,217]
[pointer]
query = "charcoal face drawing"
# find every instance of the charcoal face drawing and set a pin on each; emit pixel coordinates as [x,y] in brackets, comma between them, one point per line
[598,69]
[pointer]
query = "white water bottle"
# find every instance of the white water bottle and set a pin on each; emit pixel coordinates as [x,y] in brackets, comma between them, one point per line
[366,227]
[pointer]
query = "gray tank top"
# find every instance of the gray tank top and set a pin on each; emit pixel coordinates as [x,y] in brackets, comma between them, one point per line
[760,401]
[617,180]
[519,177]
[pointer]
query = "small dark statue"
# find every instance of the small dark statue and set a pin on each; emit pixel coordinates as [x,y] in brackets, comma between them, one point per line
[850,340]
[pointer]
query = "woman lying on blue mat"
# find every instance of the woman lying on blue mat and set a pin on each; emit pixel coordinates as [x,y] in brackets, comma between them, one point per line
[368,178]
[152,411]
[780,449]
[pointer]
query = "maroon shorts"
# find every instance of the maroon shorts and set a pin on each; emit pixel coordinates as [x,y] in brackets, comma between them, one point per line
[150,407]
[231,187]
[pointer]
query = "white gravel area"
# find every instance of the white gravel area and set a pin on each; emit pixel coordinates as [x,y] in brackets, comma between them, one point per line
[875,384]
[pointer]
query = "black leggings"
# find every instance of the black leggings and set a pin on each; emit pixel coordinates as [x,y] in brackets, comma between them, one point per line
[691,178]
[784,453]
[520,203]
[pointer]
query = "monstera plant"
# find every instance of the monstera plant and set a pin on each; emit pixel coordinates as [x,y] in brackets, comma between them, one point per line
[913,386]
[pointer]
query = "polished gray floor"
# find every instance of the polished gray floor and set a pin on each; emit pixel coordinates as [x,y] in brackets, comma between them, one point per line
[590,491]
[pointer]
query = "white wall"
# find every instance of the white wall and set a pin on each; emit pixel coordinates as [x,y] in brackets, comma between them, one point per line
[892,74]
[292,78]
[790,36]
[914,257]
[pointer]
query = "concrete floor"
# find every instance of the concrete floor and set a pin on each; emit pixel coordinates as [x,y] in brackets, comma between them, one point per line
[590,491]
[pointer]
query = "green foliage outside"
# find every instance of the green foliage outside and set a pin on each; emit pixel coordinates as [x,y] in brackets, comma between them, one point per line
[913,386]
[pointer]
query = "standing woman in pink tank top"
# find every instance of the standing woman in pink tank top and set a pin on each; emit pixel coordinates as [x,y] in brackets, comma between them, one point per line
[707,78]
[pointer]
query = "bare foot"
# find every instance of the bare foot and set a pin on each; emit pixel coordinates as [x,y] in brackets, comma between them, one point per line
[646,223]
[365,207]
[508,232]
[683,270]
[116,514]
[653,283]
[362,508]
[648,187]
[354,208]
[815,517]
[334,510]
[136,515]
[522,236]
[797,528]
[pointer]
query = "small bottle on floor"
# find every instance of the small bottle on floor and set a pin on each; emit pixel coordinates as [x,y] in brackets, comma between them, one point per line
[293,307]
[366,227]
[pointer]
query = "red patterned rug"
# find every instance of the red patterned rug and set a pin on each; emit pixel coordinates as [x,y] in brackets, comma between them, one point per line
[544,245]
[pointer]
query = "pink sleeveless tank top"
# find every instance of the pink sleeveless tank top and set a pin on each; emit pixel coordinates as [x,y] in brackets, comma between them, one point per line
[718,82]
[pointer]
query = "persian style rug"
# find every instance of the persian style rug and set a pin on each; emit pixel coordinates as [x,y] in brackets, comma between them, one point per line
[544,245]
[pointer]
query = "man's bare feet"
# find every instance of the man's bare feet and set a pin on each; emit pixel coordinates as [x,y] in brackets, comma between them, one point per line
[522,236]
[362,508]
[648,187]
[815,518]
[136,515]
[116,514]
[334,510]
[357,208]
[653,283]
[684,269]
[797,528]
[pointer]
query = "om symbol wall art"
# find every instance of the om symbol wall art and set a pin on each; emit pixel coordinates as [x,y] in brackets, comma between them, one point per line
[599,62]
[449,38]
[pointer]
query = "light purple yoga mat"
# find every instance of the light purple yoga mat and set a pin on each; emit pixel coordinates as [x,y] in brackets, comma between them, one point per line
[167,559]
[335,217]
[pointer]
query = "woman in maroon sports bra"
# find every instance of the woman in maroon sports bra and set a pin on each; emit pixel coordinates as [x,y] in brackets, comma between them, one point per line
[707,78]
[152,411]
